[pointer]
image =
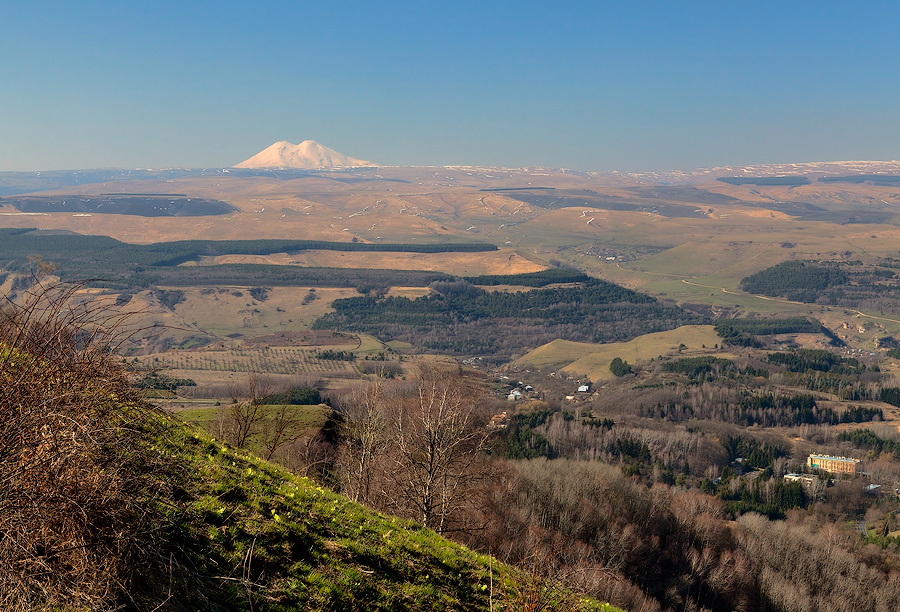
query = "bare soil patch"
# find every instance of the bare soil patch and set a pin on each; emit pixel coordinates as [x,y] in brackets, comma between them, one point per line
[463,264]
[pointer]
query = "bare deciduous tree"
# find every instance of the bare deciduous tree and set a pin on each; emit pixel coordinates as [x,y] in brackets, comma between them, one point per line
[276,432]
[363,432]
[437,436]
[246,409]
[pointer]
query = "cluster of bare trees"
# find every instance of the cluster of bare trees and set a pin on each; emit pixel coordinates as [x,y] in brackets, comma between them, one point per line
[250,414]
[661,548]
[414,448]
[801,569]
[667,444]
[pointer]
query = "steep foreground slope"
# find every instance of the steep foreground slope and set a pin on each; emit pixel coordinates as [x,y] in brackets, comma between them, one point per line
[257,534]
[109,504]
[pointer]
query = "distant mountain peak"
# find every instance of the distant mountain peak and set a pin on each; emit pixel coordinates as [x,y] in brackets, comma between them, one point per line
[308,155]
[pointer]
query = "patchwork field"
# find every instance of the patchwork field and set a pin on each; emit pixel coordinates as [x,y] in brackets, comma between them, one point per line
[275,360]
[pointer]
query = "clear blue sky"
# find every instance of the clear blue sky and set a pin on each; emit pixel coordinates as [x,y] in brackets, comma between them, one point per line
[634,85]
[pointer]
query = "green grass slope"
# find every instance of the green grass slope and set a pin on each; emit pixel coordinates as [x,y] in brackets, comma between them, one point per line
[287,544]
[262,538]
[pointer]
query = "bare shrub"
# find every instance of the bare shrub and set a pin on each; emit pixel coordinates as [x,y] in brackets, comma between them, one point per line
[536,588]
[385,369]
[311,455]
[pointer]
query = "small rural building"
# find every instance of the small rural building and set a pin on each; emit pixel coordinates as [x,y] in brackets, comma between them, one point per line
[499,421]
[806,480]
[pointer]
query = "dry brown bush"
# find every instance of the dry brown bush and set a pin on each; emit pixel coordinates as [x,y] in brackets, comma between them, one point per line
[75,474]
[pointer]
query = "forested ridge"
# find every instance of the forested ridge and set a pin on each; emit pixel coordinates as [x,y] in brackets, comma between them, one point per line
[848,284]
[531,279]
[769,326]
[795,280]
[17,244]
[465,319]
[278,276]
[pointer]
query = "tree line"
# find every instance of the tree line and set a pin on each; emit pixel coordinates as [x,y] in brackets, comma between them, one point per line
[741,332]
[803,360]
[866,438]
[541,278]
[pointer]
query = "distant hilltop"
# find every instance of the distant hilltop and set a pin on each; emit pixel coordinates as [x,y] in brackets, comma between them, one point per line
[810,170]
[308,155]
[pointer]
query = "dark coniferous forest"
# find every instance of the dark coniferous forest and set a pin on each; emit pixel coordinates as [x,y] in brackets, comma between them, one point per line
[465,319]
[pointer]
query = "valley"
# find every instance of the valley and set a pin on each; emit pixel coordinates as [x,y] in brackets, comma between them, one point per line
[686,341]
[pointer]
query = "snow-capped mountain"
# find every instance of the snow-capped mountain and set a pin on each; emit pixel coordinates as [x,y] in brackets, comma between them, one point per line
[308,155]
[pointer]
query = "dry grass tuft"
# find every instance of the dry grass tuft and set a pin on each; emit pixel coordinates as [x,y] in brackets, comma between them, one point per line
[76,472]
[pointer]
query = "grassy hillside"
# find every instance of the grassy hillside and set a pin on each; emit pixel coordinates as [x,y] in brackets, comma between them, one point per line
[592,360]
[237,533]
[284,543]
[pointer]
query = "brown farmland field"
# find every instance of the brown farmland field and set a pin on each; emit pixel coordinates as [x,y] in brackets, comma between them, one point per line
[227,311]
[503,261]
